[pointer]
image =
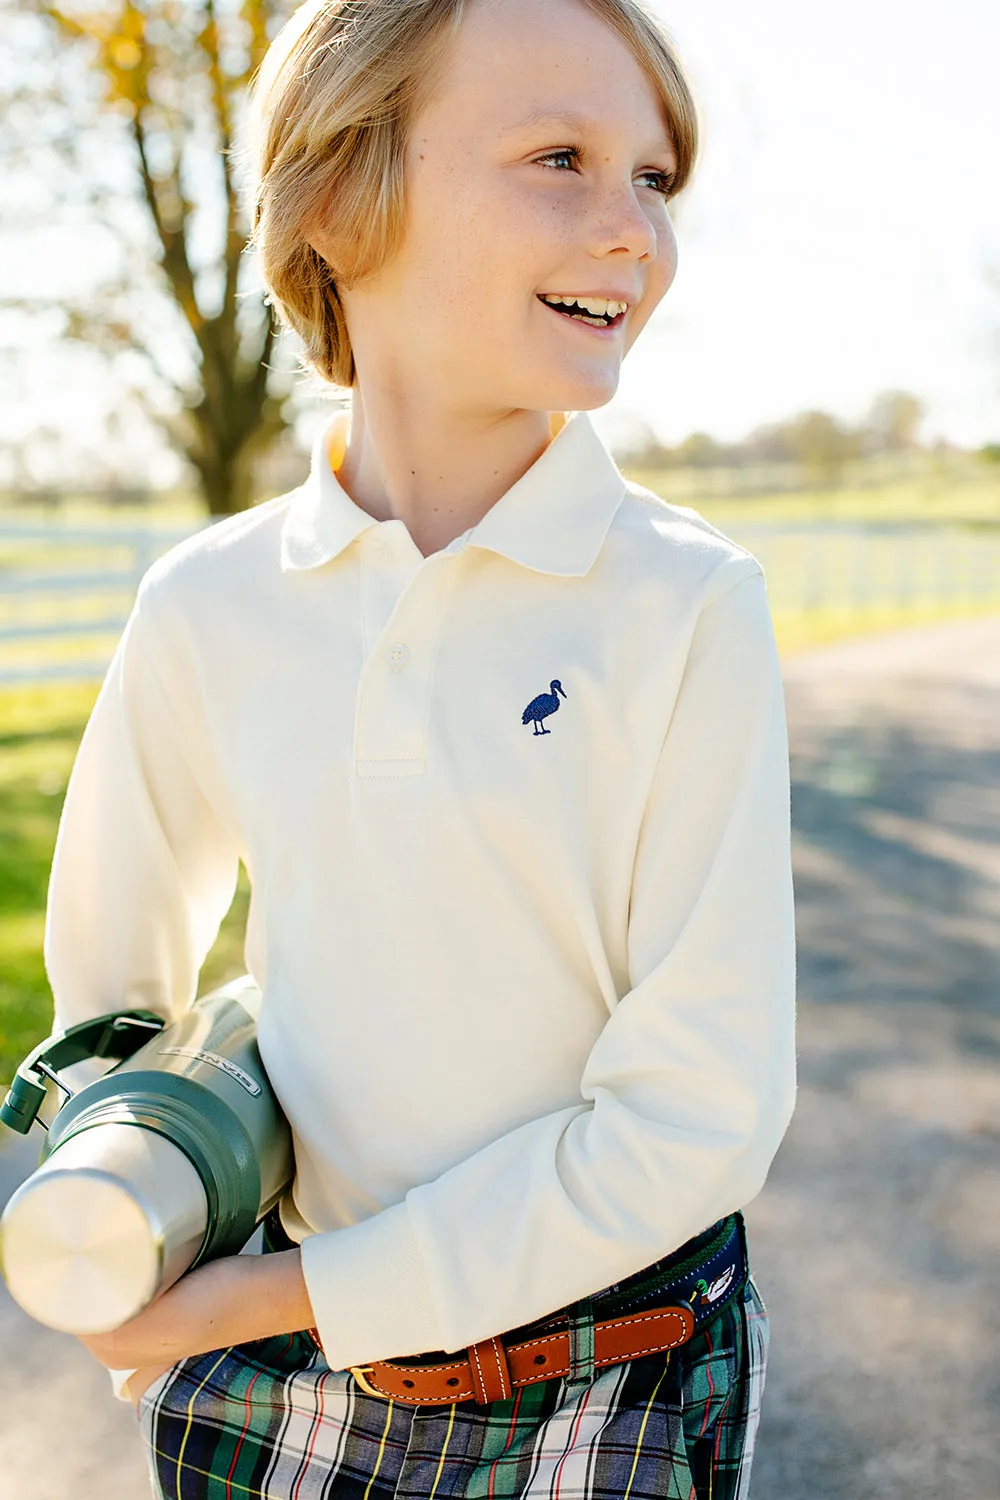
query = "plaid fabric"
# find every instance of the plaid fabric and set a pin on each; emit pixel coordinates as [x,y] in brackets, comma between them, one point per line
[270,1420]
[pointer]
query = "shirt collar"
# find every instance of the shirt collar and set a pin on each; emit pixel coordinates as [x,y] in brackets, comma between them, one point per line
[553,519]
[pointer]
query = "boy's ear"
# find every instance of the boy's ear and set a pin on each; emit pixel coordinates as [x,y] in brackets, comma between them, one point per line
[329,245]
[318,234]
[321,242]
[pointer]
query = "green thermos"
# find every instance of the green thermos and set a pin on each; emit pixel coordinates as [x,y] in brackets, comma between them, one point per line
[169,1159]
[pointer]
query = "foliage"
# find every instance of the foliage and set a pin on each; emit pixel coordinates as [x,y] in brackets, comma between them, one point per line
[141,106]
[893,421]
[817,444]
[923,488]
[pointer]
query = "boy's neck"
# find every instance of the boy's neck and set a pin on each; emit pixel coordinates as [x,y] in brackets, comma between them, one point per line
[436,470]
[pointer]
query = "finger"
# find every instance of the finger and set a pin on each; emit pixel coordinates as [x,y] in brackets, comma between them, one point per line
[137,1384]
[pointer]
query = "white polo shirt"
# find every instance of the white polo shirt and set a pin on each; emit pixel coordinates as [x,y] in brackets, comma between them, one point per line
[516,820]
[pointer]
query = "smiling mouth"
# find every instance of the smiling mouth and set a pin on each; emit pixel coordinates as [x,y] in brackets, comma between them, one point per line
[599,312]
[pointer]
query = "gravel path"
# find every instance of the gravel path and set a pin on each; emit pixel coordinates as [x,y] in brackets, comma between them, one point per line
[876,1242]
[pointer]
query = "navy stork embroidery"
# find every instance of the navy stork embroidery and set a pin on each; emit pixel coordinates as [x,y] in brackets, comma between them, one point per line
[539,708]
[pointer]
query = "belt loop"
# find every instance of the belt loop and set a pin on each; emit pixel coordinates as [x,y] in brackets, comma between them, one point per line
[490,1371]
[581,1342]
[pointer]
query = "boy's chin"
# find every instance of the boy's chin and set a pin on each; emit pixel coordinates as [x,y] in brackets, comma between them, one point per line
[591,400]
[576,392]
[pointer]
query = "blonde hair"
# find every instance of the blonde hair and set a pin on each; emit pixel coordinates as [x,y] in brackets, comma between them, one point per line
[330,110]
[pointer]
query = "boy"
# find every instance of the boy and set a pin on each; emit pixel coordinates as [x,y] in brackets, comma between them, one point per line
[500,739]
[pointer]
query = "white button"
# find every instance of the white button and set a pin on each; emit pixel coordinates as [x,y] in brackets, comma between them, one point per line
[382,548]
[397,655]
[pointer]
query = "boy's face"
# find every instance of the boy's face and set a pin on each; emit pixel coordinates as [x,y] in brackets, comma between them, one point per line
[535,170]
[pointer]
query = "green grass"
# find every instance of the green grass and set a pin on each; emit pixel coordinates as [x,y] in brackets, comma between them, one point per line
[956,494]
[960,488]
[801,630]
[41,732]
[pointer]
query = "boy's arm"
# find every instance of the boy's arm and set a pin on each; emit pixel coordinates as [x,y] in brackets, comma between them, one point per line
[146,858]
[146,861]
[688,1090]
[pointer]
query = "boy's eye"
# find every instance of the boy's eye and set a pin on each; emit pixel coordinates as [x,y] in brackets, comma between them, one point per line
[568,154]
[660,182]
[568,158]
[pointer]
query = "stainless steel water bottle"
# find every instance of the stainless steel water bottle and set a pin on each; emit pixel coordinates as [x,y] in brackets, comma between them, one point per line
[171,1158]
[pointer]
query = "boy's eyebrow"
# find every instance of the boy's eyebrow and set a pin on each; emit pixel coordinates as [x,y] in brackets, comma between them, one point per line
[567,120]
[543,115]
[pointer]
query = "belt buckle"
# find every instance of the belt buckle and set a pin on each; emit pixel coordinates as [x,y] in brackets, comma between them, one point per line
[359,1372]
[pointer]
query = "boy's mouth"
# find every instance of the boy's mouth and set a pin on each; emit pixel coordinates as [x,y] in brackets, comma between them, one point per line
[599,312]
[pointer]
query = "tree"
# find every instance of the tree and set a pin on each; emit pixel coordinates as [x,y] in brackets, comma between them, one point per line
[822,445]
[892,421]
[700,451]
[132,108]
[772,442]
[814,439]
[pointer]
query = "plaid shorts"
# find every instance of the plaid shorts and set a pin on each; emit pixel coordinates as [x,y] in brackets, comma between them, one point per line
[270,1420]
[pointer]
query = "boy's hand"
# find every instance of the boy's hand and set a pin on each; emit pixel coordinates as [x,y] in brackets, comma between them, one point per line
[224,1302]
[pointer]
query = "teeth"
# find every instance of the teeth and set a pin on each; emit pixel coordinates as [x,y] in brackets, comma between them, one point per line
[598,307]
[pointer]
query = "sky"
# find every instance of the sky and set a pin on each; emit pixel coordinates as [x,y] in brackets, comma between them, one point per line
[844,217]
[837,239]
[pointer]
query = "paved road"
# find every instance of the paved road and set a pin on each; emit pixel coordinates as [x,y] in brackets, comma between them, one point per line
[877,1236]
[63,1436]
[876,1241]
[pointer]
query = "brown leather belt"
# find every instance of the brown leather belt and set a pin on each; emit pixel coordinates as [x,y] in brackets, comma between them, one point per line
[493,1370]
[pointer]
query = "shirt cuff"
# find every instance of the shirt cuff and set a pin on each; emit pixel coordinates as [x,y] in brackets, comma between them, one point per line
[370,1295]
[118,1380]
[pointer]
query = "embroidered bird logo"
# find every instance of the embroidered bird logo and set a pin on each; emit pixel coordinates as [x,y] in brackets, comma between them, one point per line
[539,708]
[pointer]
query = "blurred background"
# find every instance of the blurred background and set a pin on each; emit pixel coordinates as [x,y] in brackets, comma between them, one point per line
[822,383]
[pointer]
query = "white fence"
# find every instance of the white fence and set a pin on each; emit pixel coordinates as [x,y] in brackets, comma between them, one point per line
[65,592]
[876,566]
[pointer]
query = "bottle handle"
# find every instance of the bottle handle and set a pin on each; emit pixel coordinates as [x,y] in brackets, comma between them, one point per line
[116,1034]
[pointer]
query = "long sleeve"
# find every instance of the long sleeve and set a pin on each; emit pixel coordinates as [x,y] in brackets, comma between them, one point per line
[146,859]
[688,1090]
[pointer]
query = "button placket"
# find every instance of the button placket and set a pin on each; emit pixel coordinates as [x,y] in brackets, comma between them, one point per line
[390,722]
[387,571]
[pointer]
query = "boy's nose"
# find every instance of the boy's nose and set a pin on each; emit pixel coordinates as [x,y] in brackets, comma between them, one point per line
[620,223]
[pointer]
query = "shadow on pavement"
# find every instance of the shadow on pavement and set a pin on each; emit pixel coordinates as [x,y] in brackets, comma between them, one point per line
[877,1237]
